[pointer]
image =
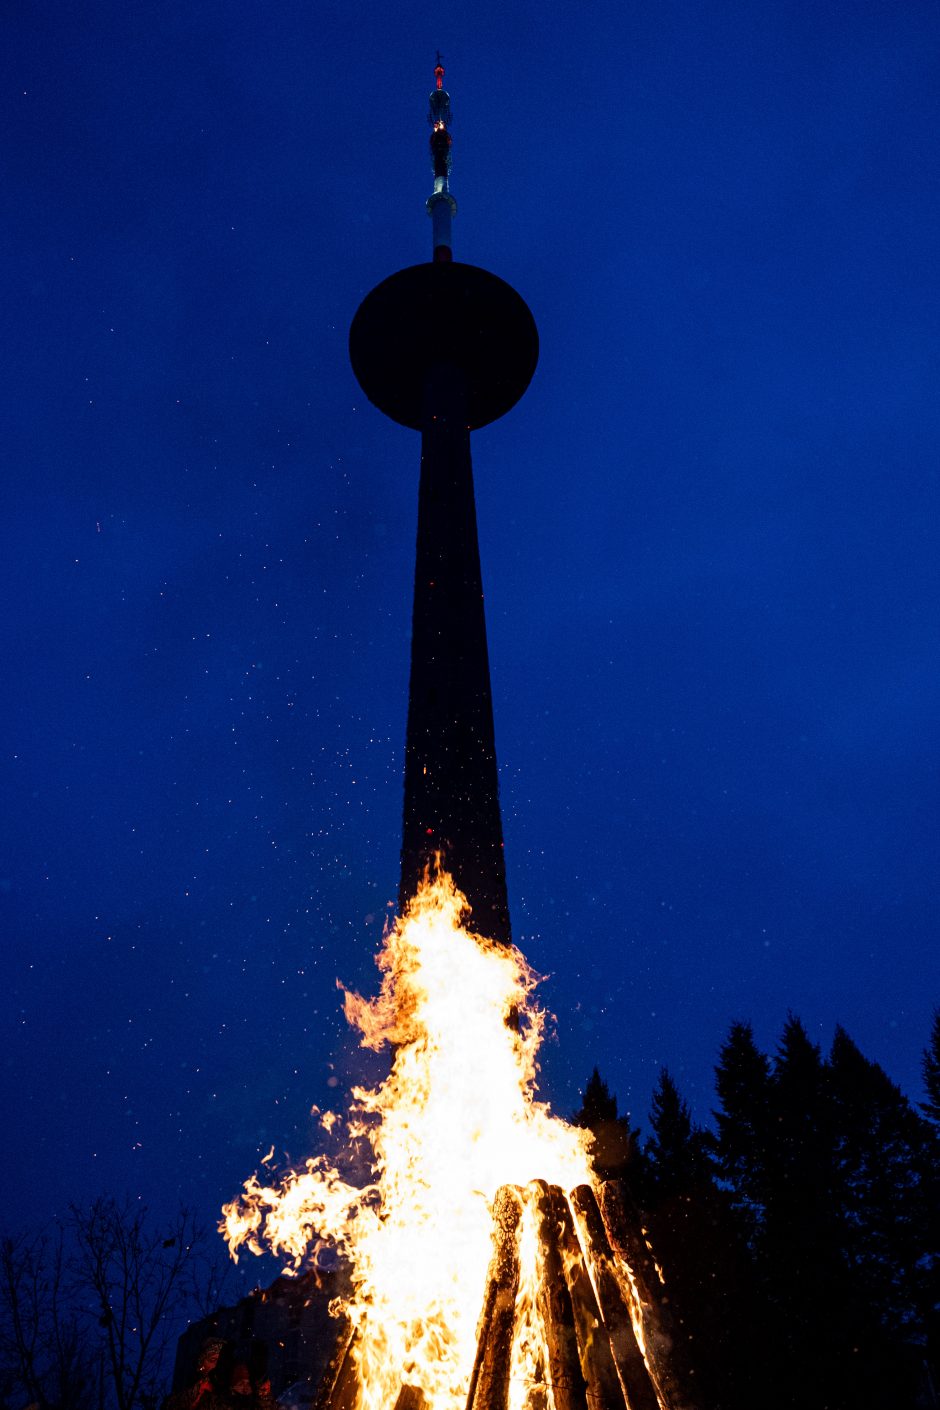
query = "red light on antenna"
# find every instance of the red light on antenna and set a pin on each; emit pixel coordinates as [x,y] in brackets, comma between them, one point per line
[439,76]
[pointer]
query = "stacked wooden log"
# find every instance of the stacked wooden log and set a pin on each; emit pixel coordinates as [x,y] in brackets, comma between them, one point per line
[489,1380]
[594,1359]
[600,1301]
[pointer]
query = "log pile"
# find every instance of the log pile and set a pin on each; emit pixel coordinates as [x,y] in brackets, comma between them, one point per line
[585,1300]
[600,1302]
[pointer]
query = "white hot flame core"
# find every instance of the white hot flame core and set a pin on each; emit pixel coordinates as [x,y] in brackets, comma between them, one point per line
[456,1118]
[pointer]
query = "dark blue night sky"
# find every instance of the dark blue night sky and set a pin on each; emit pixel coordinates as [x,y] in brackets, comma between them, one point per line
[709,542]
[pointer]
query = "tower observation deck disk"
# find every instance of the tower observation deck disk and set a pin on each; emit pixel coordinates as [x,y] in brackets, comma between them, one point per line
[436,314]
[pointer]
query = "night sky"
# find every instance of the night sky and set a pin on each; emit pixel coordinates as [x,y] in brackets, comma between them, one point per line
[708,533]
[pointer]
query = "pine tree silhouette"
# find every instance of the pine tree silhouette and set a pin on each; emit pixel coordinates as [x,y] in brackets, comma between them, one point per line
[883,1168]
[676,1151]
[931,1264]
[800,1242]
[832,1176]
[743,1085]
[616,1152]
[931,1106]
[707,1269]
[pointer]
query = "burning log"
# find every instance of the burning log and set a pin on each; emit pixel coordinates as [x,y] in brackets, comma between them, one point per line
[595,1315]
[564,1363]
[613,1296]
[410,1398]
[594,1342]
[605,1323]
[627,1241]
[489,1381]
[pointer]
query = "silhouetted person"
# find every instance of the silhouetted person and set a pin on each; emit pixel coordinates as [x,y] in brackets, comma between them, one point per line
[209,1390]
[247,1392]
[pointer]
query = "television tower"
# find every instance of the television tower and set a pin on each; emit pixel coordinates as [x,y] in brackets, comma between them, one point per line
[445,348]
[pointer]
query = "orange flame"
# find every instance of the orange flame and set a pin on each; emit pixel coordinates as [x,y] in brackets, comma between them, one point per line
[456,1118]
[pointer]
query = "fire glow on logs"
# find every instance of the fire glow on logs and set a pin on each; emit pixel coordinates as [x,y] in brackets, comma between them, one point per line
[483,1270]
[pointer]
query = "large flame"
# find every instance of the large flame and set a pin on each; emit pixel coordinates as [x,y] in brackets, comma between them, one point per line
[456,1118]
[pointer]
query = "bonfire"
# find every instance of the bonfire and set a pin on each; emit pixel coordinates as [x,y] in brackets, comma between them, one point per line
[489,1268]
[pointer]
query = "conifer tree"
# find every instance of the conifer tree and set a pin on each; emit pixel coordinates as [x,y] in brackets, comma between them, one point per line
[597,1104]
[931,1106]
[742,1081]
[845,1232]
[931,1110]
[798,1246]
[617,1154]
[675,1152]
[799,1152]
[708,1276]
[885,1190]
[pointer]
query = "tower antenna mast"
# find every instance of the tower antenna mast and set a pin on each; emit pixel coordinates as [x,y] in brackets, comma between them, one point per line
[441,205]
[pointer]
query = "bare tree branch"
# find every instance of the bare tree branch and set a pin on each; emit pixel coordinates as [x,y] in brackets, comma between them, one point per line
[89,1312]
[43,1357]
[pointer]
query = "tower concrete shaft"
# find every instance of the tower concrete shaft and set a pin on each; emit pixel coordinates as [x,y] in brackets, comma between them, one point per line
[451,780]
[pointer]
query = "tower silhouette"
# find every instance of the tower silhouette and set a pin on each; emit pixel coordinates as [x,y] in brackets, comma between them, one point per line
[445,348]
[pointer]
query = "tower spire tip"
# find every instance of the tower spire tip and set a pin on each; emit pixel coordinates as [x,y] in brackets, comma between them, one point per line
[441,205]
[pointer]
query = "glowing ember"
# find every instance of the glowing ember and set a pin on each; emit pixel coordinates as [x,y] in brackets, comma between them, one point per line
[456,1119]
